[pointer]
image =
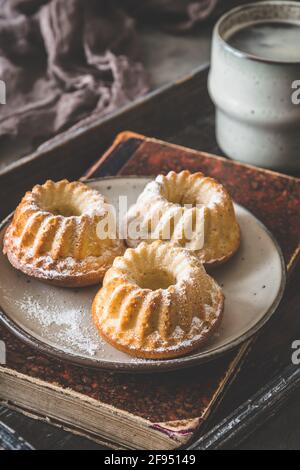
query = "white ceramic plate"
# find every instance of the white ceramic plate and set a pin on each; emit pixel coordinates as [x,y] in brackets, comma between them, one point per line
[58,320]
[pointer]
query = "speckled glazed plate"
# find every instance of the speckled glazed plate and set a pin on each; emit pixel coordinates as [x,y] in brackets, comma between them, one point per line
[58,321]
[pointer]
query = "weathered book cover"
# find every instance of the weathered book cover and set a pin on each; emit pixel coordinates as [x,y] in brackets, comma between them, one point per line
[149,411]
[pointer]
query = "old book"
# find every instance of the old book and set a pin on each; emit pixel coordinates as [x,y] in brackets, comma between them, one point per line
[148,411]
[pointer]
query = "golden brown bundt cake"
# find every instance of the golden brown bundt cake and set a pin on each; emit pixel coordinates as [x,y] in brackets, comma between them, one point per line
[170,204]
[157,302]
[53,235]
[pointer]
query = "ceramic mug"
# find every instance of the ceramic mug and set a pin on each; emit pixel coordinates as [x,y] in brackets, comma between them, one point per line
[257,119]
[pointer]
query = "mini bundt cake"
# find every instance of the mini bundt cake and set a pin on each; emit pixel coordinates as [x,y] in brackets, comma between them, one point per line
[157,302]
[53,235]
[171,205]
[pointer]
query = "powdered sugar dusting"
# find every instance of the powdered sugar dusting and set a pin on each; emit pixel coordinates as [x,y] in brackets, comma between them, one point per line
[67,323]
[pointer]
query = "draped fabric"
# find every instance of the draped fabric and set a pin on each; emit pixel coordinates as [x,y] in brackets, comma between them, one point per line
[64,60]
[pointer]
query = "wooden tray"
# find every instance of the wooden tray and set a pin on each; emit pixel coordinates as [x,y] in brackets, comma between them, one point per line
[188,119]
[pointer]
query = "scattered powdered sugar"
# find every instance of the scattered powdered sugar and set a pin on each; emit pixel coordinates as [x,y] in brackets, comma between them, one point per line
[63,322]
[63,267]
[178,332]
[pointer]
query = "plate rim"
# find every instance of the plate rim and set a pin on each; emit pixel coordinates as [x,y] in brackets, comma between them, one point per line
[150,365]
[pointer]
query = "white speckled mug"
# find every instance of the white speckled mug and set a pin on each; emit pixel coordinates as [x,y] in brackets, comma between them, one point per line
[257,121]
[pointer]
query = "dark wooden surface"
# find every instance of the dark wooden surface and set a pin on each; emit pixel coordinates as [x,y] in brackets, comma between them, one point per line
[195,129]
[10,440]
[253,413]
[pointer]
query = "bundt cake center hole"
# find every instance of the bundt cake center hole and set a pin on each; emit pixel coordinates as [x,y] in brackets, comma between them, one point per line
[156,279]
[66,210]
[183,200]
